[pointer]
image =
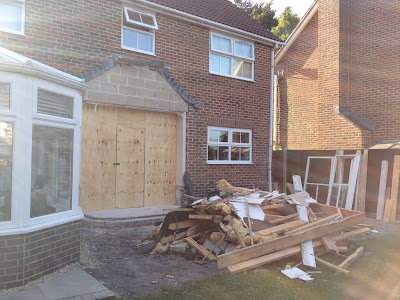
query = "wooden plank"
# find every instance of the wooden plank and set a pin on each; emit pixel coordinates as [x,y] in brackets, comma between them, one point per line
[316,223]
[201,217]
[284,219]
[269,217]
[182,224]
[382,190]
[331,265]
[363,181]
[259,261]
[193,230]
[281,228]
[395,187]
[352,258]
[388,207]
[171,238]
[286,241]
[130,171]
[272,206]
[199,248]
[329,244]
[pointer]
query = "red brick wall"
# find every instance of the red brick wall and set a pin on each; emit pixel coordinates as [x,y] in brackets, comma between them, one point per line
[76,35]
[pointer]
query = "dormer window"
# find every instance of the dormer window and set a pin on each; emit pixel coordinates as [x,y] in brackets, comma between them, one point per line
[138,31]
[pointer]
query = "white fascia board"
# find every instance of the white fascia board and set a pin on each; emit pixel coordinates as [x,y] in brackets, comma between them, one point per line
[18,63]
[202,21]
[296,32]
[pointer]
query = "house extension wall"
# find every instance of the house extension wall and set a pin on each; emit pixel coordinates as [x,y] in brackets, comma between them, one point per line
[82,34]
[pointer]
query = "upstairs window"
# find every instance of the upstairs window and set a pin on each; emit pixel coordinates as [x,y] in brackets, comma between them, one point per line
[12,16]
[231,57]
[138,31]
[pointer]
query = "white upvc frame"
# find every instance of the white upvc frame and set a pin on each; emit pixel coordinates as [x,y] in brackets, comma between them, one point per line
[24,115]
[230,144]
[151,32]
[20,3]
[231,55]
[140,23]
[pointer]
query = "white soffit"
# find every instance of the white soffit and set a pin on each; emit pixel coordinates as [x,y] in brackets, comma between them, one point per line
[296,32]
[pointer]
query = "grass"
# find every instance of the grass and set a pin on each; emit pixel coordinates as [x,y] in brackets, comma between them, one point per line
[376,275]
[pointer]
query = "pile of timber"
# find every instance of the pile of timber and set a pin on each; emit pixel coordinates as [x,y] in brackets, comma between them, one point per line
[243,229]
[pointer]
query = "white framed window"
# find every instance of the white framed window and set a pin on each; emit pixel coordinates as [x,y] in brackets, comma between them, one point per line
[138,31]
[231,57]
[228,145]
[12,16]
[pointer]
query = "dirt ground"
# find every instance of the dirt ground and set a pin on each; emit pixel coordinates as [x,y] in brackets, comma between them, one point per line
[110,255]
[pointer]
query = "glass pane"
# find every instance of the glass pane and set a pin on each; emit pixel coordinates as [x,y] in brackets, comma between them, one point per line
[4,96]
[223,136]
[235,137]
[149,20]
[226,45]
[235,154]
[247,70]
[245,154]
[52,155]
[237,68]
[129,38]
[10,17]
[214,135]
[145,42]
[244,137]
[55,105]
[6,159]
[225,65]
[134,16]
[239,49]
[216,43]
[212,153]
[214,63]
[248,50]
[223,153]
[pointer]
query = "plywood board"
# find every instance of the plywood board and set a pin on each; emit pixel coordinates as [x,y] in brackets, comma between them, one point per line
[130,168]
[97,185]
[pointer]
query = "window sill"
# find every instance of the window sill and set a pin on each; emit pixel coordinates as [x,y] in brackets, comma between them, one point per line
[224,162]
[13,32]
[138,51]
[233,77]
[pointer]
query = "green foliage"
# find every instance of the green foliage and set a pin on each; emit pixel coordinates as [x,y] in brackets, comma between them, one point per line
[262,13]
[286,23]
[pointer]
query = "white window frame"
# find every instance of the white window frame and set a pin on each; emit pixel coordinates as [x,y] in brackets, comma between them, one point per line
[231,56]
[23,91]
[230,144]
[151,32]
[20,3]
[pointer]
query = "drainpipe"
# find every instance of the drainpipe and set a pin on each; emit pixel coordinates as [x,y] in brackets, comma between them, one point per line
[271,118]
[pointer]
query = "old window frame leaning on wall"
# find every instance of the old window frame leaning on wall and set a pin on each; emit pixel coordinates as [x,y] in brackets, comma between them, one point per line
[140,23]
[232,49]
[226,141]
[8,7]
[60,202]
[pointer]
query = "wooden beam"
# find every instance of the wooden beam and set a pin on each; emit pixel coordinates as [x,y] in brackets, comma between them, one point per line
[382,190]
[201,217]
[352,258]
[363,182]
[286,241]
[270,217]
[171,238]
[259,261]
[329,244]
[388,207]
[281,228]
[331,265]
[316,223]
[395,187]
[182,224]
[284,219]
[271,206]
[199,248]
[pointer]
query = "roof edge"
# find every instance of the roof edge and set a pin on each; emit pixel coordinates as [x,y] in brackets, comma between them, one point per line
[204,22]
[296,32]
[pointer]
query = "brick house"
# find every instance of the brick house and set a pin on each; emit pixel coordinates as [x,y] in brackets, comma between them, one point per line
[338,82]
[110,102]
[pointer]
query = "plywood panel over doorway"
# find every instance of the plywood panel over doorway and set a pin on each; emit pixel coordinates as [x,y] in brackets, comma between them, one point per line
[128,158]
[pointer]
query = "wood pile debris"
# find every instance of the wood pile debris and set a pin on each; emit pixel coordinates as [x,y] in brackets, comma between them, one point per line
[242,229]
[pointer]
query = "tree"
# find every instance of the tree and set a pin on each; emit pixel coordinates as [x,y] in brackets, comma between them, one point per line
[287,22]
[262,13]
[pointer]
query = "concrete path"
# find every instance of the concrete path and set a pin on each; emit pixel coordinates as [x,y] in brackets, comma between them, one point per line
[74,285]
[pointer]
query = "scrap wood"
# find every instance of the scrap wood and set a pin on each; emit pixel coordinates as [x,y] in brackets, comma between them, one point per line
[269,217]
[311,216]
[259,261]
[201,217]
[225,186]
[282,228]
[182,224]
[191,236]
[316,223]
[332,266]
[200,248]
[284,219]
[272,206]
[286,241]
[352,258]
[329,244]
[193,230]
[179,209]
